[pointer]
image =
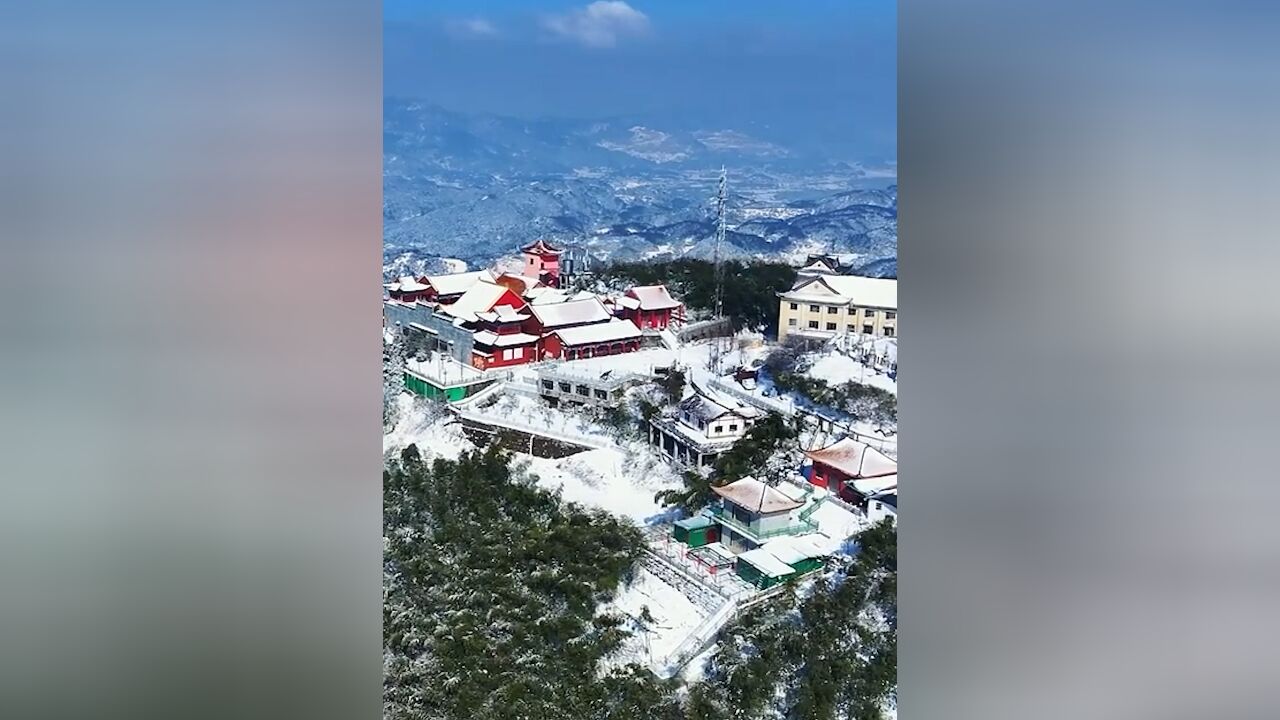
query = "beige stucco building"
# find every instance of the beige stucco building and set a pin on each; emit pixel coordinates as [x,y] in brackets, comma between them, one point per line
[822,306]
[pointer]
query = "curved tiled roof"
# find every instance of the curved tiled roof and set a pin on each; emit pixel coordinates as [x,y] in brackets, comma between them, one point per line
[855,459]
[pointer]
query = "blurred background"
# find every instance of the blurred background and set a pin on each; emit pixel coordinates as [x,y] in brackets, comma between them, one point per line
[190,216]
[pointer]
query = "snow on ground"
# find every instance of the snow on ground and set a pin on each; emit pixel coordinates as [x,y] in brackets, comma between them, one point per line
[674,618]
[443,369]
[621,481]
[428,425]
[531,412]
[640,362]
[837,368]
[696,669]
[745,349]
[837,523]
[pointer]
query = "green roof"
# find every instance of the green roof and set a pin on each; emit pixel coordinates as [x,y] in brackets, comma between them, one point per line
[694,523]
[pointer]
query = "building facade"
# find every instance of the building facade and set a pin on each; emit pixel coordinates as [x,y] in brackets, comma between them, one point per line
[650,307]
[853,471]
[542,262]
[824,306]
[704,426]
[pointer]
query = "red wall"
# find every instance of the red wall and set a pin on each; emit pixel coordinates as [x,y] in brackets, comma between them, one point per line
[649,318]
[828,477]
[412,296]
[529,355]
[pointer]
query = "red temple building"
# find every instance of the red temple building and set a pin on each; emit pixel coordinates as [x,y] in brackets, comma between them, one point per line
[564,315]
[853,470]
[584,341]
[648,306]
[435,288]
[542,261]
[409,289]
[497,317]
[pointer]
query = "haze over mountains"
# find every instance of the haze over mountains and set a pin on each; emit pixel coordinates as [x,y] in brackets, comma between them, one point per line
[477,186]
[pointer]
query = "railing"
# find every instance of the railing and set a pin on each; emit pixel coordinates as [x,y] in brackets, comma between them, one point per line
[804,526]
[767,404]
[697,640]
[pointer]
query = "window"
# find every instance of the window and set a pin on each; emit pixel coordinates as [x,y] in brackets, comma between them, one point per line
[548,385]
[831,326]
[888,332]
[813,324]
[791,322]
[867,329]
[718,428]
[795,306]
[851,328]
[832,310]
[868,313]
[813,308]
[853,310]
[602,395]
[566,387]
[583,391]
[890,315]
[733,428]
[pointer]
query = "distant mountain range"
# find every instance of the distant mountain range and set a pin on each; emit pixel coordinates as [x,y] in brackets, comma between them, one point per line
[476,187]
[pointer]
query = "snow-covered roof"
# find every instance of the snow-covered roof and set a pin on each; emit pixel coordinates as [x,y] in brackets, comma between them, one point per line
[695,522]
[503,313]
[706,404]
[545,295]
[876,485]
[572,312]
[792,549]
[479,298]
[703,408]
[766,562]
[405,284]
[487,337]
[855,459]
[847,290]
[612,331]
[640,362]
[457,283]
[751,494]
[653,297]
[629,303]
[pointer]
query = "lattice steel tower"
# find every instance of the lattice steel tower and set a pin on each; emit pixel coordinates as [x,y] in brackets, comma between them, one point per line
[718,258]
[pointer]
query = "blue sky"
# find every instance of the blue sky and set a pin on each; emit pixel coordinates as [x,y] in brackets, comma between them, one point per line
[816,73]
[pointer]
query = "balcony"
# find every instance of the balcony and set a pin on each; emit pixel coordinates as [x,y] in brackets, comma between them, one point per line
[800,527]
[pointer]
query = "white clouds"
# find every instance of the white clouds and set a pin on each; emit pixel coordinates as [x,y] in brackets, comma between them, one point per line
[472,27]
[600,24]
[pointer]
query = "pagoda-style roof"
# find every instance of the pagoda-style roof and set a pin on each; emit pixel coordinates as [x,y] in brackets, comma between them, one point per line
[541,247]
[572,312]
[755,496]
[855,459]
[653,297]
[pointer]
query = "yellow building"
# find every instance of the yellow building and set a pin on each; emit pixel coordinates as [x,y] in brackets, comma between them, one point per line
[823,306]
